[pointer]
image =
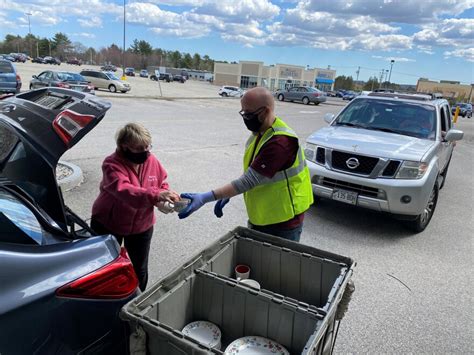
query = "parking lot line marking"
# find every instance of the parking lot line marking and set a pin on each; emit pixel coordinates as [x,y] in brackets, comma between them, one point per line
[310,112]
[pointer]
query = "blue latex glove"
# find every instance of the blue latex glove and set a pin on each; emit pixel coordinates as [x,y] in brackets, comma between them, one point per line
[219,206]
[197,201]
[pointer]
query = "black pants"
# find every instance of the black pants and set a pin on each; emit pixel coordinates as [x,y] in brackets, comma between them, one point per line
[138,248]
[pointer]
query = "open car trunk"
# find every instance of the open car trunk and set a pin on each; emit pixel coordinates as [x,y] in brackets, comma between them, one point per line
[36,128]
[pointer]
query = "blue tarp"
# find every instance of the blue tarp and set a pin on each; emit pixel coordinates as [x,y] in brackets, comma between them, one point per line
[324,81]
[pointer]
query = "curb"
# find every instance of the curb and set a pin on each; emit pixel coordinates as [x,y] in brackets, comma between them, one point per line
[73,180]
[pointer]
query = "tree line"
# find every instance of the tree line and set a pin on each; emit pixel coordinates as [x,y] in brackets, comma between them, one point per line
[139,55]
[343,82]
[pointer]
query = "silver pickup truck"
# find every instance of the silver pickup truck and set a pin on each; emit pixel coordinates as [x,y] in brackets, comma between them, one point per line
[388,152]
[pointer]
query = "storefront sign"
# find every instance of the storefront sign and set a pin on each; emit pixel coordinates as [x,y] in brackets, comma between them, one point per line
[290,73]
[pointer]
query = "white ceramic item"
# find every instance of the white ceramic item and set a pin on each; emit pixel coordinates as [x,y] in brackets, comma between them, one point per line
[251,283]
[254,345]
[242,272]
[204,332]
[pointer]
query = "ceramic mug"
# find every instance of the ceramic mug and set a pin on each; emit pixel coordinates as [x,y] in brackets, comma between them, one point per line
[242,272]
[251,283]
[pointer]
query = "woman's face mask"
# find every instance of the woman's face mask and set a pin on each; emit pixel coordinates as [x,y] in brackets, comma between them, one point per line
[136,155]
[251,119]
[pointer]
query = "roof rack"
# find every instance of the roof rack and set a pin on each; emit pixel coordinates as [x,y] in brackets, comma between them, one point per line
[400,95]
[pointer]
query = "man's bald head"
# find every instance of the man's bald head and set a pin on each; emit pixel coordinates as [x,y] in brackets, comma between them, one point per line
[256,98]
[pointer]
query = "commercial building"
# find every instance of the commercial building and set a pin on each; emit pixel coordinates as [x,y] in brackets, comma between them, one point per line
[248,74]
[450,89]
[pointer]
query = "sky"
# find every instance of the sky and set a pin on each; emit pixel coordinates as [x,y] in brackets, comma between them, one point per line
[426,38]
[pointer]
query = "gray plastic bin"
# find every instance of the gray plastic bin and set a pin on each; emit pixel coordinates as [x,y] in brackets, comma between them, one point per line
[301,287]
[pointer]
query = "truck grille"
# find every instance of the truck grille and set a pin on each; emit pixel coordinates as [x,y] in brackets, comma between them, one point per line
[360,189]
[366,164]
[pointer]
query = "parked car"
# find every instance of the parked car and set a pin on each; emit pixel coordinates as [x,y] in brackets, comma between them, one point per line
[109,67]
[231,91]
[465,110]
[51,60]
[65,80]
[74,61]
[143,73]
[62,285]
[105,80]
[10,81]
[303,94]
[388,152]
[349,95]
[129,72]
[331,93]
[39,60]
[18,57]
[179,78]
[7,57]
[340,93]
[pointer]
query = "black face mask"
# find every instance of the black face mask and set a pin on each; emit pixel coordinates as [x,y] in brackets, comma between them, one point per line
[136,158]
[251,119]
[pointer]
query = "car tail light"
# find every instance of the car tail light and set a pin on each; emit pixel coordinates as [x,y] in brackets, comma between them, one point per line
[68,123]
[113,281]
[90,87]
[63,85]
[316,94]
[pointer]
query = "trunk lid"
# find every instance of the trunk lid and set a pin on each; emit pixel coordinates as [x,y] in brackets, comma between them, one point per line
[36,129]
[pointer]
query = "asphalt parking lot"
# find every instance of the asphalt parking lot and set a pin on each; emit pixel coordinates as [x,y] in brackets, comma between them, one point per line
[413,292]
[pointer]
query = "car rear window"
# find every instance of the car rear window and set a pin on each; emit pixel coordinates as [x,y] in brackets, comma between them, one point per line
[6,67]
[17,223]
[70,76]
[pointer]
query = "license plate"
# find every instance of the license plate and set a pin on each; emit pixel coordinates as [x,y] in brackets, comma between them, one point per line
[345,196]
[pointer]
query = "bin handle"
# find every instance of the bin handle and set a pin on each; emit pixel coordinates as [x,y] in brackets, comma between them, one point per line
[192,262]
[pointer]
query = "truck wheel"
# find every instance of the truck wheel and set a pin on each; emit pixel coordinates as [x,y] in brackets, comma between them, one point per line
[305,100]
[112,88]
[421,222]
[281,97]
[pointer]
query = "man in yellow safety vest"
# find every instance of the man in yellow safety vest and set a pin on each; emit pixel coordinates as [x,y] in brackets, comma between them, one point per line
[276,181]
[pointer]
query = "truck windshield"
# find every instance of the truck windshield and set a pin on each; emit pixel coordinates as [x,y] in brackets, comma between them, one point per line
[405,118]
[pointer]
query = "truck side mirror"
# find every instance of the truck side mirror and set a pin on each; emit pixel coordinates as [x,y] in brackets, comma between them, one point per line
[328,117]
[453,135]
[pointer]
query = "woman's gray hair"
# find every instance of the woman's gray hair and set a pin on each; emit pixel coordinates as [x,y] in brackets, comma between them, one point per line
[134,134]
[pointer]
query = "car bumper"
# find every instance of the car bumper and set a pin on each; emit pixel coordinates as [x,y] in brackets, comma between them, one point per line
[318,99]
[380,194]
[124,88]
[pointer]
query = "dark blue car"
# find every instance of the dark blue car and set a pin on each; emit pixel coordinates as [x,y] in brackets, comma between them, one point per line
[62,286]
[10,81]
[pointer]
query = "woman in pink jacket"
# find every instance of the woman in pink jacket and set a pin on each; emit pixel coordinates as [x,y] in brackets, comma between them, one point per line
[133,183]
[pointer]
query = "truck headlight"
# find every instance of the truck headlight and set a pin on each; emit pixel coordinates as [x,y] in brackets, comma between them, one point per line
[310,152]
[412,170]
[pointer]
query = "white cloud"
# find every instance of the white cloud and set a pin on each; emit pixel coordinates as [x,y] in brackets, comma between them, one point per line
[94,21]
[466,53]
[239,11]
[396,59]
[83,34]
[395,11]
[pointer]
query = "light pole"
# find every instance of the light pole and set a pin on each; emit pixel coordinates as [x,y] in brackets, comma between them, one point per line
[123,50]
[391,66]
[29,23]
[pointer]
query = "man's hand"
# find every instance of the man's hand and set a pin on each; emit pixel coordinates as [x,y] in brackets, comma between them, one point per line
[197,201]
[170,196]
[219,206]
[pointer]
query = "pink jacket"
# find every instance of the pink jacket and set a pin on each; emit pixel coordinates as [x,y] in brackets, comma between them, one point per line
[125,204]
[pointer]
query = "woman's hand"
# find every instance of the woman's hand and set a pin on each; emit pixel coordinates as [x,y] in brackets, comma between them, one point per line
[170,196]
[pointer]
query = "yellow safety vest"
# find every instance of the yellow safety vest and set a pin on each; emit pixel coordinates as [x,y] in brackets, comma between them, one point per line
[288,193]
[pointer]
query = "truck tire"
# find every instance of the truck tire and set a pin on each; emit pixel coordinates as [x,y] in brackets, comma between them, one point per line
[421,222]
